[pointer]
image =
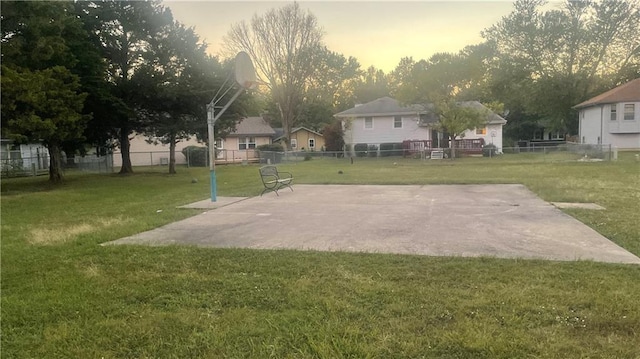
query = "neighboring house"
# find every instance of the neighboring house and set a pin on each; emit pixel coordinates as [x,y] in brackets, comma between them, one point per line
[304,139]
[385,121]
[144,153]
[240,145]
[24,157]
[612,118]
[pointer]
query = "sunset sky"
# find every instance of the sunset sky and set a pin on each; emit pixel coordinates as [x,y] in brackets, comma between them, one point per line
[376,33]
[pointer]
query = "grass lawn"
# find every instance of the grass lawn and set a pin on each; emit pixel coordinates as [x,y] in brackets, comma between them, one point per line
[64,296]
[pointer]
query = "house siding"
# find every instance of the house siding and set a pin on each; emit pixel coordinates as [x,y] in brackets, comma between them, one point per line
[231,151]
[596,126]
[143,153]
[383,130]
[302,138]
[488,139]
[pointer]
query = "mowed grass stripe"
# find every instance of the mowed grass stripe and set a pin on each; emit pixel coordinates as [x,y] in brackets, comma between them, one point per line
[69,297]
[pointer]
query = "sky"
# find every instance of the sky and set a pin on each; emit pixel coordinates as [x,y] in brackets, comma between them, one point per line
[376,33]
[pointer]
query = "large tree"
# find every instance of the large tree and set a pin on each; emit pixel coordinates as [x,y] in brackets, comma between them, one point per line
[176,81]
[123,30]
[282,43]
[44,49]
[558,58]
[43,105]
[371,85]
[439,84]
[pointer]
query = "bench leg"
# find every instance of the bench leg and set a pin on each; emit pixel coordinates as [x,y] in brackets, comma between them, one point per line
[269,190]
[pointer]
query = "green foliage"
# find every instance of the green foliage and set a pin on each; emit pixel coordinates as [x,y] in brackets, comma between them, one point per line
[196,156]
[439,85]
[391,149]
[44,54]
[331,85]
[63,295]
[372,85]
[43,105]
[271,147]
[372,150]
[333,136]
[548,60]
[489,150]
[361,149]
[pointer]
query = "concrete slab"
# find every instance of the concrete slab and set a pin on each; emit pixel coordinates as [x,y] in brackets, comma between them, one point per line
[578,205]
[506,221]
[207,204]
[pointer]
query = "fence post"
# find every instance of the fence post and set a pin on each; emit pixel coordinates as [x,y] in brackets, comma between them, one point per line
[615,153]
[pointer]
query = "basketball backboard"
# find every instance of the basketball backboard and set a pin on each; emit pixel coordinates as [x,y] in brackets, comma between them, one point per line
[245,72]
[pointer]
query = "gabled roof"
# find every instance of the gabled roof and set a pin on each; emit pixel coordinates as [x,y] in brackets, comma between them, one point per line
[629,92]
[384,106]
[252,126]
[493,118]
[296,129]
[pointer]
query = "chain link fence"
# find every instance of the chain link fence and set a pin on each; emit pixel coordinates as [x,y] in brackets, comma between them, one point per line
[559,153]
[13,165]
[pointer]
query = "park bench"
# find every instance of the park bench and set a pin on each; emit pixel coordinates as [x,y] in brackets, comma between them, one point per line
[274,180]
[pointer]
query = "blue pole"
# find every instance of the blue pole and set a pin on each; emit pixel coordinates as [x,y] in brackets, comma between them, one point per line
[212,177]
[211,121]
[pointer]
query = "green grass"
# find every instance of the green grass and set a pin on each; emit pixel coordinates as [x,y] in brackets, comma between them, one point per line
[65,296]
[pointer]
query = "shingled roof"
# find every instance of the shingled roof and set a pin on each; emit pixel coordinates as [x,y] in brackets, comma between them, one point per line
[384,106]
[629,92]
[252,126]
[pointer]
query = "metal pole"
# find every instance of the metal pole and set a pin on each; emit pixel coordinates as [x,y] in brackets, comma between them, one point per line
[212,151]
[212,117]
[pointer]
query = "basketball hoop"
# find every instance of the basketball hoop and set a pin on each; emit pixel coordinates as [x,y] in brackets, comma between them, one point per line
[245,76]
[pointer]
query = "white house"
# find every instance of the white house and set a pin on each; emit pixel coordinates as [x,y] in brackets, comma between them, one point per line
[385,121]
[23,157]
[612,118]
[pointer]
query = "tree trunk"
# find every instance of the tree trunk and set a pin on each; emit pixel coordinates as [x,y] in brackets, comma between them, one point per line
[453,146]
[55,163]
[172,153]
[124,151]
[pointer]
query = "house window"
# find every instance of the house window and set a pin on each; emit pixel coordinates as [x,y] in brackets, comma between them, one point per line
[246,143]
[629,111]
[312,143]
[481,131]
[556,136]
[294,143]
[397,122]
[538,135]
[614,113]
[368,123]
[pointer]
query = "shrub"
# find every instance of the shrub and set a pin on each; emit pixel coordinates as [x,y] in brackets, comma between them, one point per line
[361,149]
[372,150]
[307,157]
[489,150]
[271,147]
[196,156]
[391,149]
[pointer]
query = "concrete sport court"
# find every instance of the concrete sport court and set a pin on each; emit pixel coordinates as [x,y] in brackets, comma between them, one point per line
[504,221]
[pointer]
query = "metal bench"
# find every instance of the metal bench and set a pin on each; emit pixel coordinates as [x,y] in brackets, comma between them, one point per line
[274,180]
